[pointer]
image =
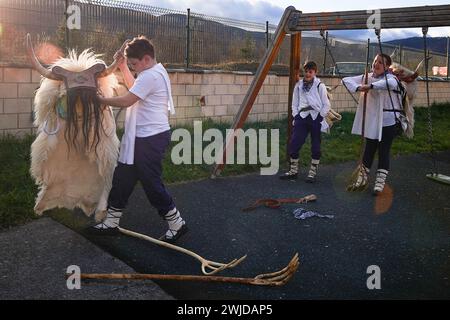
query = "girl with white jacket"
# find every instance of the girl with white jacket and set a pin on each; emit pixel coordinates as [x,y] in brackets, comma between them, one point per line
[383,119]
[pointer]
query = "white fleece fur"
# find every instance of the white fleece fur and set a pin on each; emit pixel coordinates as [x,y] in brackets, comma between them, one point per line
[66,179]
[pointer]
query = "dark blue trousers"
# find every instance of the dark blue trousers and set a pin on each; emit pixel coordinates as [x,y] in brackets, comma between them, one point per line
[147,168]
[303,127]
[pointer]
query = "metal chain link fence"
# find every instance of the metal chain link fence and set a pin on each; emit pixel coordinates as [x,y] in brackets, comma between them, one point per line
[182,38]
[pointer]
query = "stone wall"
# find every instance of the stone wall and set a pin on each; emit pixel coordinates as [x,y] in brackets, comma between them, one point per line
[197,96]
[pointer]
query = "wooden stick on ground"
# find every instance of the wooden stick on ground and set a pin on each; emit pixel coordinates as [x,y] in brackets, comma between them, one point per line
[277,278]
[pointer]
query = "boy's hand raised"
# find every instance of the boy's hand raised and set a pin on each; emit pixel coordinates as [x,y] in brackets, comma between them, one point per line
[119,56]
[121,60]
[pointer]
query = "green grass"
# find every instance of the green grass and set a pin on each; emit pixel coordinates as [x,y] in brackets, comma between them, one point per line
[18,191]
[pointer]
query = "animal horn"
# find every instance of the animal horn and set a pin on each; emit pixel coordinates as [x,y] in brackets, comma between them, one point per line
[393,54]
[36,64]
[113,66]
[420,64]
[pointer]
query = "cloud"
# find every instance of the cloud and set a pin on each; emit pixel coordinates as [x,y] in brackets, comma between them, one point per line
[262,10]
[386,35]
[246,10]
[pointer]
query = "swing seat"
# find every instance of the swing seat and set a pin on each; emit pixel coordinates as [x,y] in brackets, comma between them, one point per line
[439,178]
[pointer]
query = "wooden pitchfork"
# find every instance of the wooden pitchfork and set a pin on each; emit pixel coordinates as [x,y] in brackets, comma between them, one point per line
[353,181]
[277,278]
[206,264]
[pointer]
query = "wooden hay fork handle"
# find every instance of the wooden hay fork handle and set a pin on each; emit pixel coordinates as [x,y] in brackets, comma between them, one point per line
[206,264]
[277,278]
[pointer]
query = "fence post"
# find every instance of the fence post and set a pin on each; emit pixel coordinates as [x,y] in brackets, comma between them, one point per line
[368,54]
[294,68]
[448,42]
[65,27]
[267,34]
[400,54]
[325,54]
[188,37]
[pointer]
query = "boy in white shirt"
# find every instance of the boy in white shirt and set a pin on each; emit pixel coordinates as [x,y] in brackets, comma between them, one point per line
[146,137]
[310,105]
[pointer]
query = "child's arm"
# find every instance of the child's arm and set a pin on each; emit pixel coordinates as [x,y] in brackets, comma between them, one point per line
[295,100]
[353,83]
[381,84]
[128,77]
[124,101]
[325,101]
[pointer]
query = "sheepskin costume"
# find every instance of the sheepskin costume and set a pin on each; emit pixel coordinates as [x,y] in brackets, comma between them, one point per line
[68,176]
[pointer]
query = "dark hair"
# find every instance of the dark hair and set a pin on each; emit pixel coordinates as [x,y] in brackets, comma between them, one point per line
[139,47]
[388,59]
[310,65]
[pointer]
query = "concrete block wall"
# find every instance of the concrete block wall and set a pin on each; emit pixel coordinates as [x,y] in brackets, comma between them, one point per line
[17,88]
[439,92]
[219,95]
[197,96]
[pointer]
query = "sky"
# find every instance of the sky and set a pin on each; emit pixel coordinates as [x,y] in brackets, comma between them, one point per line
[263,10]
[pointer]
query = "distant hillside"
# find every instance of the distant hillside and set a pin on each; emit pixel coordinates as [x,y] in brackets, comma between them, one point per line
[438,44]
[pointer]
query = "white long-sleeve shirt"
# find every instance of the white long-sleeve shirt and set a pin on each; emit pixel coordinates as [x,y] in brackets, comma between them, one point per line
[377,100]
[316,98]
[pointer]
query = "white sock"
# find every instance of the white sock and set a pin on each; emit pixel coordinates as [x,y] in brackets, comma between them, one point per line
[380,180]
[175,222]
[313,170]
[112,219]
[293,169]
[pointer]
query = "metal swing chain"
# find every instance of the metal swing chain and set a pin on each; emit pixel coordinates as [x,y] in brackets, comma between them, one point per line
[378,33]
[430,123]
[334,63]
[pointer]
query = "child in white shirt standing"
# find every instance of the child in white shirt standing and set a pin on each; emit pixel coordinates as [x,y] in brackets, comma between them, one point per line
[310,105]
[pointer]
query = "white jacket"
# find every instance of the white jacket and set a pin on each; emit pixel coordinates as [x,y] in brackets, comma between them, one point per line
[316,97]
[377,100]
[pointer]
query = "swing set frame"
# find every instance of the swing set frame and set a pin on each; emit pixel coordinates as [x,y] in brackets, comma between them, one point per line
[293,22]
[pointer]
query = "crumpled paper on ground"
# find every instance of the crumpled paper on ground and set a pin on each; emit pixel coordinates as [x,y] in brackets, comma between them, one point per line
[302,214]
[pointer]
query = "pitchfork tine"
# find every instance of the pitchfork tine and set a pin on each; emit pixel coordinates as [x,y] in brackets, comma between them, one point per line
[291,265]
[217,266]
[280,277]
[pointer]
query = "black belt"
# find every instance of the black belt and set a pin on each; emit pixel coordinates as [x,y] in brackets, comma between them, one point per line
[394,110]
[308,108]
